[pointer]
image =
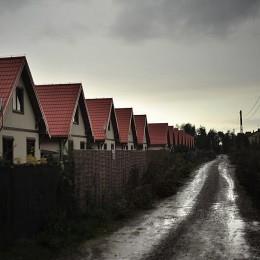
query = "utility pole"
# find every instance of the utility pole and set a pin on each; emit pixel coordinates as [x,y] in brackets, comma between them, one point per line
[241,122]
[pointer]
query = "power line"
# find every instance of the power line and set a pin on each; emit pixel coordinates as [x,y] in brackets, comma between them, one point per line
[255,111]
[253,107]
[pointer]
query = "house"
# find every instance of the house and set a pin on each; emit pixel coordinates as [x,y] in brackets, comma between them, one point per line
[67,117]
[181,138]
[176,136]
[185,139]
[143,138]
[22,122]
[103,122]
[192,142]
[171,137]
[159,136]
[126,129]
[188,141]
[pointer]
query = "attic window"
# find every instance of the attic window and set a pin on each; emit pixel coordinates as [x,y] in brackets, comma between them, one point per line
[109,126]
[76,117]
[18,100]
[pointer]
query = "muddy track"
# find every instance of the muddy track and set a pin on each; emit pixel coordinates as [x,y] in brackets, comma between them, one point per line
[211,217]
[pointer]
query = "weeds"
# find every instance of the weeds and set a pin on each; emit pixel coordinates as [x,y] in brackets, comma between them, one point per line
[247,163]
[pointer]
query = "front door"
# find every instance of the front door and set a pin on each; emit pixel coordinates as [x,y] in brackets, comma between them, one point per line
[8,149]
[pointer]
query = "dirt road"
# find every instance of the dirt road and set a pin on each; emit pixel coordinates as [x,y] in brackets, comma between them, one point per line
[211,217]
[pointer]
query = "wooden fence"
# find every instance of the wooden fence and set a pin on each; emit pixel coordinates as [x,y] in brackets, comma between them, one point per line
[101,175]
[27,195]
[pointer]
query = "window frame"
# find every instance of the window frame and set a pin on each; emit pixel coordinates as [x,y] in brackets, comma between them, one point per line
[76,117]
[82,145]
[18,90]
[28,140]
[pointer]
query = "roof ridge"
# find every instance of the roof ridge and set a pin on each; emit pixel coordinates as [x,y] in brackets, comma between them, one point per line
[12,57]
[99,98]
[158,124]
[57,84]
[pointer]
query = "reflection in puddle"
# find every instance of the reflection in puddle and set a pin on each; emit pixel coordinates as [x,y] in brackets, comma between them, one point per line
[214,232]
[130,243]
[229,211]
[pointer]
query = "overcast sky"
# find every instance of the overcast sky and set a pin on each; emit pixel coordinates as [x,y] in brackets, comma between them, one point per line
[178,61]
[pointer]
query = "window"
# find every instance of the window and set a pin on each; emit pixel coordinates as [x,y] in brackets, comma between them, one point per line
[30,146]
[82,145]
[105,146]
[18,100]
[132,147]
[109,126]
[76,117]
[8,149]
[112,146]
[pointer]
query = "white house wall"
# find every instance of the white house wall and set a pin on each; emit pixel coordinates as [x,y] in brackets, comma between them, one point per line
[78,135]
[79,129]
[145,142]
[20,127]
[110,137]
[130,140]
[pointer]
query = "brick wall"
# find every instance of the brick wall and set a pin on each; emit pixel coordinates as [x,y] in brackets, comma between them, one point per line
[100,175]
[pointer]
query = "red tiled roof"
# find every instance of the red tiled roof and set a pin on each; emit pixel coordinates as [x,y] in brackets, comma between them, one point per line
[176,136]
[185,138]
[189,140]
[181,137]
[10,72]
[158,133]
[171,134]
[100,112]
[124,120]
[59,102]
[140,124]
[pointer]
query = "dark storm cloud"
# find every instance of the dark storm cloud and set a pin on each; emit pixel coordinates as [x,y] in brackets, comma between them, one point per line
[11,5]
[140,19]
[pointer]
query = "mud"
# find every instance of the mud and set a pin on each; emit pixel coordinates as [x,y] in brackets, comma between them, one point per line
[206,219]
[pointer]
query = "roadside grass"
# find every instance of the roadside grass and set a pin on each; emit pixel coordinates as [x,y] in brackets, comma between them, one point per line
[247,163]
[66,230]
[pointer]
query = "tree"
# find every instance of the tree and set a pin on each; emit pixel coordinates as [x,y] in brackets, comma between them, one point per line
[189,129]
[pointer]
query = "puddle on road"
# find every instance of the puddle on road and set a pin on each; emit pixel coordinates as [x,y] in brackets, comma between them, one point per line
[137,239]
[218,232]
[236,246]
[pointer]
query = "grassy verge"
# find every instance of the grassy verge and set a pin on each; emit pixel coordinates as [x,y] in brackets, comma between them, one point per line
[247,163]
[65,229]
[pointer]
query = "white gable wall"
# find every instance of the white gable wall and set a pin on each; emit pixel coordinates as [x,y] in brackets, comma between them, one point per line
[78,135]
[130,140]
[145,142]
[110,137]
[78,132]
[20,127]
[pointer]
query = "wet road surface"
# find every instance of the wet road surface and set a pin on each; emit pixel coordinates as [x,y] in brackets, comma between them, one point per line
[204,220]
